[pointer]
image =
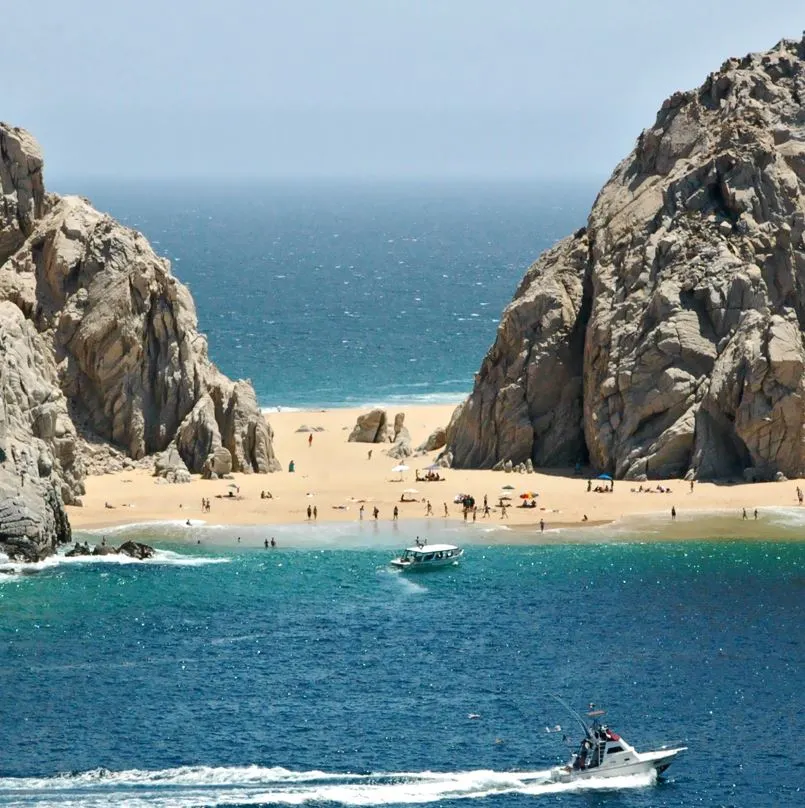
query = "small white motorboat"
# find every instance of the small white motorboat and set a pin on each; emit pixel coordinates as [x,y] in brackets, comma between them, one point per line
[604,753]
[424,556]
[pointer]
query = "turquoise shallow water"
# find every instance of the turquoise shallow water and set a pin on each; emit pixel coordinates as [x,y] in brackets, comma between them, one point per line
[314,674]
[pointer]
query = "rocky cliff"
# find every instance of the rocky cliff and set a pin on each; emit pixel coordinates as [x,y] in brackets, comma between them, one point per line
[101,361]
[665,338]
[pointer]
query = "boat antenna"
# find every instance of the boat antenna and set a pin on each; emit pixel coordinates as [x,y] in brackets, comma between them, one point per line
[573,712]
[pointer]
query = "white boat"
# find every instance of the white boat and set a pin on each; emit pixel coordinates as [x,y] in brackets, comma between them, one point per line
[604,753]
[424,556]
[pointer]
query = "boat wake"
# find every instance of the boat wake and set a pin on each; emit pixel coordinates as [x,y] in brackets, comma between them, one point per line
[255,785]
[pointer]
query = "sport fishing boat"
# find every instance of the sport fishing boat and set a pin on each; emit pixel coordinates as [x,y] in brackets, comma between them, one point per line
[604,753]
[424,556]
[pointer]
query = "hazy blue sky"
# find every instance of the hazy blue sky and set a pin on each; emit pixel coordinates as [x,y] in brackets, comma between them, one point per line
[360,87]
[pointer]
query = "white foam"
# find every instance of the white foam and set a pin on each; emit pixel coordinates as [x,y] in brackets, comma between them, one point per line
[253,785]
[160,558]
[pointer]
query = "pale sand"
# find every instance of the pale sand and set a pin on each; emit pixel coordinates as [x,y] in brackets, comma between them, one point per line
[335,475]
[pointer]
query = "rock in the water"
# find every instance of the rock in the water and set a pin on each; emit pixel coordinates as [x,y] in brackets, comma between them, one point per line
[666,337]
[136,549]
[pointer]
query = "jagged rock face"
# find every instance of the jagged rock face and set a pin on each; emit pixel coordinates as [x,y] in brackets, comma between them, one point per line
[100,342]
[22,187]
[687,291]
[527,397]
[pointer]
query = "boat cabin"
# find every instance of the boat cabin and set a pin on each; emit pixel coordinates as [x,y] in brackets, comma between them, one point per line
[429,553]
[602,745]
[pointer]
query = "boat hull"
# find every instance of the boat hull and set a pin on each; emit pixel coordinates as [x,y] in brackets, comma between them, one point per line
[650,761]
[424,566]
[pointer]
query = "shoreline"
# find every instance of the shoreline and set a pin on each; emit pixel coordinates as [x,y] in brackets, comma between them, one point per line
[337,477]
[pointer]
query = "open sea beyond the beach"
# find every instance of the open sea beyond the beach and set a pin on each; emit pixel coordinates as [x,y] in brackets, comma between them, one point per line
[334,294]
[226,674]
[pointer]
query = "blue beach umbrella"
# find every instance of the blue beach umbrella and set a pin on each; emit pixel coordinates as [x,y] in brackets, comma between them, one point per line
[603,477]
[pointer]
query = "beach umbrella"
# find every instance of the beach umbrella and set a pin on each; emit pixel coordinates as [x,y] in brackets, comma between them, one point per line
[400,468]
[432,467]
[603,477]
[232,485]
[507,488]
[527,495]
[410,491]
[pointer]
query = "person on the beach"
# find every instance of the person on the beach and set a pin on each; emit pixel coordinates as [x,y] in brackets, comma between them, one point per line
[291,466]
[273,542]
[446,512]
[238,539]
[541,525]
[487,510]
[315,512]
[691,486]
[503,514]
[375,512]
[396,513]
[673,512]
[360,513]
[589,486]
[755,513]
[310,439]
[429,509]
[309,512]
[744,513]
[265,544]
[474,512]
[370,455]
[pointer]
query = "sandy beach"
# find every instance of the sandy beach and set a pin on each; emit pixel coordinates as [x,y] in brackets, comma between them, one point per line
[336,477]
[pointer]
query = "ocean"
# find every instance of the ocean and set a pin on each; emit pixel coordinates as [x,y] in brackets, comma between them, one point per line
[313,674]
[337,294]
[221,673]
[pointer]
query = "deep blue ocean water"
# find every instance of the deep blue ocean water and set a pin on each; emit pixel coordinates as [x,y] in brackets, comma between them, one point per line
[227,674]
[314,674]
[333,294]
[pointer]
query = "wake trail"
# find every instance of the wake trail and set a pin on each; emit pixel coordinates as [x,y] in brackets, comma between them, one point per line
[193,786]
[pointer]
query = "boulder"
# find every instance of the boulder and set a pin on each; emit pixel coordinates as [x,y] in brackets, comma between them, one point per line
[136,549]
[436,440]
[169,463]
[370,428]
[218,463]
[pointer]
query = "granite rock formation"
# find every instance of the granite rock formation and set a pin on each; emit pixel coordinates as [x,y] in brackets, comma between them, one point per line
[375,427]
[665,337]
[99,347]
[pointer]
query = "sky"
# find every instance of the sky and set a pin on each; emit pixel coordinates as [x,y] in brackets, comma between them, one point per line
[245,89]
